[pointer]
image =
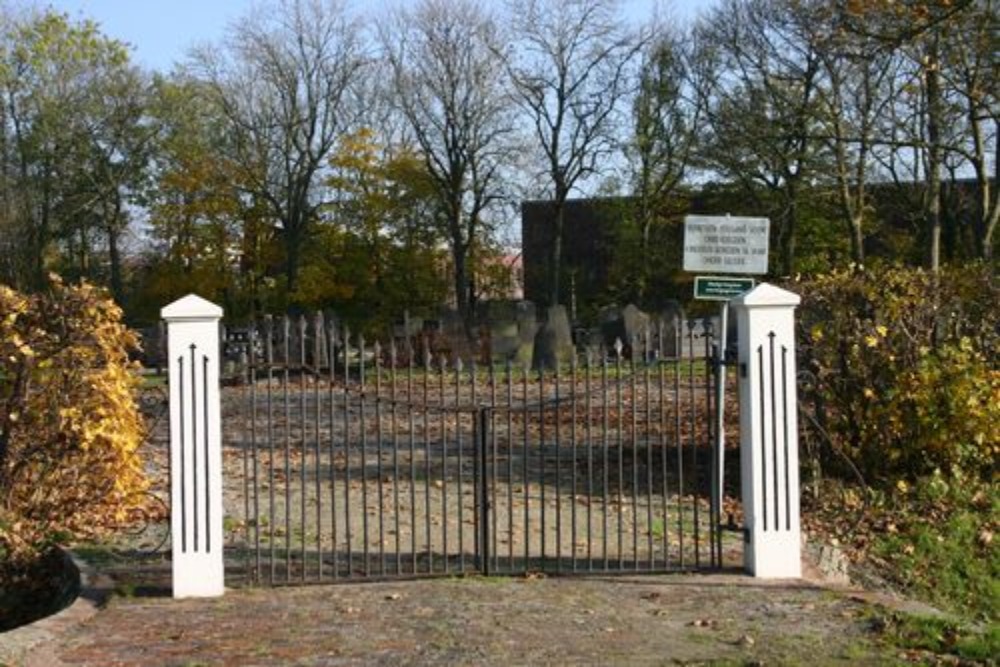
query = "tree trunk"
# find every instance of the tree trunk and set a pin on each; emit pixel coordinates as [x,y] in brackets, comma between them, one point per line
[556,259]
[293,257]
[788,229]
[461,279]
[558,219]
[114,255]
[933,157]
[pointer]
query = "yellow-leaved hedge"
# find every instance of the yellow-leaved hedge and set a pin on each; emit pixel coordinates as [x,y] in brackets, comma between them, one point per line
[69,425]
[905,369]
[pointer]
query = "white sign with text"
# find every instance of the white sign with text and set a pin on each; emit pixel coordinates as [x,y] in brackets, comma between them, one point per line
[725,244]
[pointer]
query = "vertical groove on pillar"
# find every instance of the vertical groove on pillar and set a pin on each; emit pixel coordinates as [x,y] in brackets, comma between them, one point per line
[194,443]
[784,403]
[180,452]
[208,492]
[774,434]
[763,438]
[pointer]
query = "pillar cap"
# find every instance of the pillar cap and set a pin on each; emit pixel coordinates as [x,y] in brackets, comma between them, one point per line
[191,307]
[766,294]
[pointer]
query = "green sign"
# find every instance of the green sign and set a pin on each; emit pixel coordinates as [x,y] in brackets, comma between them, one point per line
[718,288]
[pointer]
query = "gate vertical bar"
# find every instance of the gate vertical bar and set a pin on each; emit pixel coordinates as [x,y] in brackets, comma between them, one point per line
[256,451]
[442,371]
[272,513]
[510,466]
[285,336]
[347,452]
[395,454]
[482,453]
[363,427]
[427,459]
[303,450]
[378,453]
[332,359]
[459,465]
[541,460]
[318,341]
[719,485]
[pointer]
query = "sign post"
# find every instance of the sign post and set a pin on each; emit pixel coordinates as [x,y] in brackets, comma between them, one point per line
[723,244]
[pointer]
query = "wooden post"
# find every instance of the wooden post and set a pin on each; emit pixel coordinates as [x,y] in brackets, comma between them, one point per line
[769,456]
[195,447]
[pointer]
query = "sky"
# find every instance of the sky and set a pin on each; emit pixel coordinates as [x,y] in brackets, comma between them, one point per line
[160,32]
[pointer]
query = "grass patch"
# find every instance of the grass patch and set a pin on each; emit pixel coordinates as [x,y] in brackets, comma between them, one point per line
[150,380]
[939,636]
[938,544]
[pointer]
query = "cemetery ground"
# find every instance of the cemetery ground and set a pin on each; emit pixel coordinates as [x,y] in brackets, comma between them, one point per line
[724,618]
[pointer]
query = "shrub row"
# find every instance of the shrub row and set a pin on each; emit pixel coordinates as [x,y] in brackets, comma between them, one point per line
[902,368]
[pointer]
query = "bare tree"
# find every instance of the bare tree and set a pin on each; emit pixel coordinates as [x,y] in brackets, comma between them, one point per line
[570,75]
[448,72]
[284,81]
[762,72]
[665,116]
[971,72]
[919,32]
[857,92]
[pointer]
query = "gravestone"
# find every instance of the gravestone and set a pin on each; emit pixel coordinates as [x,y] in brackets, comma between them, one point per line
[629,325]
[554,340]
[504,340]
[635,327]
[527,327]
[672,330]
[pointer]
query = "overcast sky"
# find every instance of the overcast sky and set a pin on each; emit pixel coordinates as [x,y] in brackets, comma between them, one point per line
[161,31]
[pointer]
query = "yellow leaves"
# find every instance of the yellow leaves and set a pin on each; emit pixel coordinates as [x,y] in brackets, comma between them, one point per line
[77,405]
[816,333]
[871,341]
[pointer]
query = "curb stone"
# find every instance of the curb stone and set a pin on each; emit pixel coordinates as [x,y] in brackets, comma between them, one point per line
[32,645]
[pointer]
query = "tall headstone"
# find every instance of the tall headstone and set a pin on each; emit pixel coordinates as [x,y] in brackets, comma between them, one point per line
[635,327]
[554,341]
[527,328]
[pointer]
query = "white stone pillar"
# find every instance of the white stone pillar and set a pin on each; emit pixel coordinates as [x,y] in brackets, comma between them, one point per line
[769,443]
[195,446]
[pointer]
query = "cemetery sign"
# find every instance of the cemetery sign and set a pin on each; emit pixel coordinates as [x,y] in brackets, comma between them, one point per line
[725,244]
[721,288]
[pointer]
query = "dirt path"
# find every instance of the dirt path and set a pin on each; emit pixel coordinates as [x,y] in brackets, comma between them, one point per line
[485,621]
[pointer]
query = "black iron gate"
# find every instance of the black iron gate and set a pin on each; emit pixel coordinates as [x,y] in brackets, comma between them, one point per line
[358,460]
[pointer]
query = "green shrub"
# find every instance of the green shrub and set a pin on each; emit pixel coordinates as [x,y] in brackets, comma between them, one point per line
[904,369]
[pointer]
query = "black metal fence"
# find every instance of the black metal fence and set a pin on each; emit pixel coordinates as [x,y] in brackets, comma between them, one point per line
[363,460]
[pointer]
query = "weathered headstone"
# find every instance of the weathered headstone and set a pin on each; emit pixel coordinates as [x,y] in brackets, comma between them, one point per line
[504,340]
[635,326]
[554,340]
[527,328]
[672,330]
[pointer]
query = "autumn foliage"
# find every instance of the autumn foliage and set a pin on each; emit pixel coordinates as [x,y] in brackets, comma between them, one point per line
[904,376]
[69,427]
